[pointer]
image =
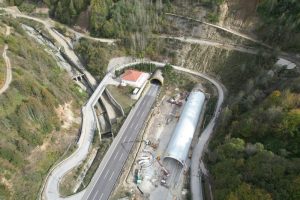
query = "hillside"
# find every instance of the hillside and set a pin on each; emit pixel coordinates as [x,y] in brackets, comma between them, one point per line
[255,151]
[39,118]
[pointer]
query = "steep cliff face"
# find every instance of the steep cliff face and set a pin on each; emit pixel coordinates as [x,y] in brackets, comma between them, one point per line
[239,15]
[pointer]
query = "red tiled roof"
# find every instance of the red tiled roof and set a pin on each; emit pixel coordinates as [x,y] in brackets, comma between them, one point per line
[131,75]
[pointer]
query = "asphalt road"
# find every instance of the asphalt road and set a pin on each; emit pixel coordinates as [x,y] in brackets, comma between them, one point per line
[106,177]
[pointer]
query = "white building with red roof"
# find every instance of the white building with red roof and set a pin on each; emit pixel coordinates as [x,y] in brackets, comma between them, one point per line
[134,78]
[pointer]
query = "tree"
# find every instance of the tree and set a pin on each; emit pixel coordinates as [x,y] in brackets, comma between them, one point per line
[99,13]
[72,10]
[248,192]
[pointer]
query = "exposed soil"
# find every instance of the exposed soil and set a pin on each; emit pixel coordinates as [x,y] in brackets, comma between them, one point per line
[82,23]
[240,15]
[65,115]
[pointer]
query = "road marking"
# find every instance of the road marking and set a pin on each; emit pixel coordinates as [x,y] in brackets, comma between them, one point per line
[143,103]
[106,174]
[101,196]
[121,157]
[143,112]
[136,126]
[95,196]
[125,138]
[131,125]
[116,155]
[138,113]
[111,175]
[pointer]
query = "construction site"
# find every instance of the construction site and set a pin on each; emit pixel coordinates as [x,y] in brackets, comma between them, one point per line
[160,169]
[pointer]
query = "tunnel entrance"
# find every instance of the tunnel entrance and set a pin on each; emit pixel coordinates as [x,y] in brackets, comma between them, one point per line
[155,81]
[157,77]
[175,169]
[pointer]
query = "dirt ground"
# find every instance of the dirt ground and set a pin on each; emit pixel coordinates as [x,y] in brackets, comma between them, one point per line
[149,162]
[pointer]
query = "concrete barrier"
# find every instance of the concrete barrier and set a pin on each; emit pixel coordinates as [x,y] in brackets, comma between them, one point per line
[114,101]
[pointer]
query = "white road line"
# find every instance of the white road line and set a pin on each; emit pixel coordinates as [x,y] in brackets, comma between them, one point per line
[125,138]
[138,113]
[95,196]
[130,125]
[101,196]
[143,103]
[136,126]
[111,175]
[106,174]
[132,136]
[121,157]
[143,112]
[116,155]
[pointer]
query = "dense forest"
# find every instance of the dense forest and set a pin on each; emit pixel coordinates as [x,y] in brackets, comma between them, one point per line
[108,18]
[281,23]
[256,150]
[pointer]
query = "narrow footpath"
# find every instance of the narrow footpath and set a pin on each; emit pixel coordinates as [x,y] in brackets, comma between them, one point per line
[8,77]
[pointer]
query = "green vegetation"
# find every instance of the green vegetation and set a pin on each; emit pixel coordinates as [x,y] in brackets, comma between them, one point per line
[118,18]
[102,148]
[67,11]
[130,20]
[145,67]
[213,6]
[70,180]
[95,56]
[2,63]
[259,158]
[255,154]
[122,95]
[27,7]
[281,23]
[108,18]
[28,116]
[213,17]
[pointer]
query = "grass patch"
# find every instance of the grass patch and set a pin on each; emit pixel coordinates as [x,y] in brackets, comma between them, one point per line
[69,181]
[122,95]
[103,147]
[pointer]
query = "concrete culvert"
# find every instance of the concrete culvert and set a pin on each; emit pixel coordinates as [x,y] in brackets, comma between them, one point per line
[157,77]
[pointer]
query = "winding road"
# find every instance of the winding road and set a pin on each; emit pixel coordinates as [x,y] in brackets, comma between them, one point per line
[221,28]
[61,41]
[226,46]
[51,191]
[281,54]
[8,77]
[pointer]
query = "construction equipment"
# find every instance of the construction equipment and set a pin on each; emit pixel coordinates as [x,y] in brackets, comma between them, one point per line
[163,169]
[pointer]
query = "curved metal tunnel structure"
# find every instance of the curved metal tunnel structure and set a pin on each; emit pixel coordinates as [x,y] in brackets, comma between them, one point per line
[157,77]
[179,145]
